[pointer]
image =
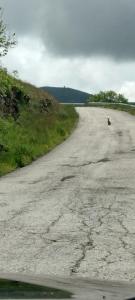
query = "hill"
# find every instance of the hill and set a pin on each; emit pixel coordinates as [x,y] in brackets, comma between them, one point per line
[67,95]
[32,122]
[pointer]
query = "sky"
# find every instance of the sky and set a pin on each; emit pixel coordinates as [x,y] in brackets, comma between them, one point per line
[83,44]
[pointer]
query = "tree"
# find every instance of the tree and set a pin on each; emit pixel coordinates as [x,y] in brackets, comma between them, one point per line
[6,40]
[109,97]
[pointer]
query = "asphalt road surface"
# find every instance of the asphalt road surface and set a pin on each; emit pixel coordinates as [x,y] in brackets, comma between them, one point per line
[72,212]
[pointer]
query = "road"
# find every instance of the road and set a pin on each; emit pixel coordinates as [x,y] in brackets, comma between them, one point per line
[72,212]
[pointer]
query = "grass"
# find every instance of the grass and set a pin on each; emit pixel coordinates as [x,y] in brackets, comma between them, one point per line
[127,108]
[18,290]
[33,135]
[35,132]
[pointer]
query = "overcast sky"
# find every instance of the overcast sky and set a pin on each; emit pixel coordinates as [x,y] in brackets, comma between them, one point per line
[83,44]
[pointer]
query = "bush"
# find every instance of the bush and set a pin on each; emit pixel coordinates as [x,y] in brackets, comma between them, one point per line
[108,97]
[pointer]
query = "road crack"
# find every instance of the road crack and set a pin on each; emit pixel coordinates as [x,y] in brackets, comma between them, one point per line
[101,218]
[104,160]
[125,234]
[43,235]
[84,248]
[67,177]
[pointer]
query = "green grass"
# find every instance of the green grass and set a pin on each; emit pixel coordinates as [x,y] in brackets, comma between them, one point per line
[19,290]
[127,108]
[35,132]
[33,135]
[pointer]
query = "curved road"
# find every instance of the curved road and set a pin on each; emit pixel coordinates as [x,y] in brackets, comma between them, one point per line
[72,212]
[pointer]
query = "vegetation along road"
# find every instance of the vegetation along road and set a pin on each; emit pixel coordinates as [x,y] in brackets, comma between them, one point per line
[72,212]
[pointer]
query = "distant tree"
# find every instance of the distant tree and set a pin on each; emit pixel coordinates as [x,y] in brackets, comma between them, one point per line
[6,40]
[122,99]
[109,97]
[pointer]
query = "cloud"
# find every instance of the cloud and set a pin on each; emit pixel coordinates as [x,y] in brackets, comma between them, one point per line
[71,28]
[88,74]
[87,45]
[128,89]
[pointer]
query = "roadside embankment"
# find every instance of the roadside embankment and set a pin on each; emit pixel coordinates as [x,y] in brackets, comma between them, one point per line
[118,106]
[31,123]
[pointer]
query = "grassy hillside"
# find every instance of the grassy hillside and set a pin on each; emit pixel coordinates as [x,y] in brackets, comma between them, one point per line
[31,123]
[67,95]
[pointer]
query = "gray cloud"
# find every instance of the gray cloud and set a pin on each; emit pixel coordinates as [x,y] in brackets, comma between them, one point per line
[77,28]
[23,16]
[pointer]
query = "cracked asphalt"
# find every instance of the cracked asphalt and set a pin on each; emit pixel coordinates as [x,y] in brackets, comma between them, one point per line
[72,212]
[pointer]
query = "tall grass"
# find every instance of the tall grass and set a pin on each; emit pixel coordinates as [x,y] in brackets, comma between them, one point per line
[33,135]
[35,131]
